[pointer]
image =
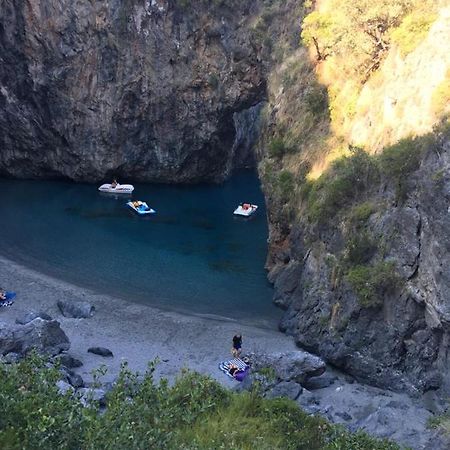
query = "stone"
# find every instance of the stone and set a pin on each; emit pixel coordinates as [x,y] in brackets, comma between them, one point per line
[75,380]
[290,366]
[288,389]
[76,309]
[31,315]
[102,351]
[64,387]
[319,382]
[45,336]
[89,396]
[68,361]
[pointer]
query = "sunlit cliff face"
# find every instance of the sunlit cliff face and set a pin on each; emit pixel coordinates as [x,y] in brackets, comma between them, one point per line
[405,96]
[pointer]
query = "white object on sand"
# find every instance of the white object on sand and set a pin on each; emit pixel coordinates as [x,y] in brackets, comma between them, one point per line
[245,209]
[119,189]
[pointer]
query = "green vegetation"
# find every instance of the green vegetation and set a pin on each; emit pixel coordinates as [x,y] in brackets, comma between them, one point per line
[285,185]
[213,80]
[413,30]
[277,148]
[372,283]
[398,161]
[360,213]
[194,413]
[340,186]
[360,248]
[360,29]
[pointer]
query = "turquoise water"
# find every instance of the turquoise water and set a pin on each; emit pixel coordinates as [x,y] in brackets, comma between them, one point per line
[192,256]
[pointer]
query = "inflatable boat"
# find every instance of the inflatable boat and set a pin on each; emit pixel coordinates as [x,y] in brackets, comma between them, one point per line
[140,207]
[9,299]
[245,210]
[118,189]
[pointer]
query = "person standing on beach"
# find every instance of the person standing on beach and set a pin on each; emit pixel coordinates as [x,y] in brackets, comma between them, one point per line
[237,345]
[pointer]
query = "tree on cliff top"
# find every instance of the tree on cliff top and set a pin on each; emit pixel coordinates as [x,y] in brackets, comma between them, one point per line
[357,31]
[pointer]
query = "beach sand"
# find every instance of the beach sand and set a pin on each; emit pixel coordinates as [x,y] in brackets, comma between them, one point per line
[134,332]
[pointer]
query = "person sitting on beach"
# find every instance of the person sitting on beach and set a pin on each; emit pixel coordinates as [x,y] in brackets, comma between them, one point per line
[237,345]
[233,369]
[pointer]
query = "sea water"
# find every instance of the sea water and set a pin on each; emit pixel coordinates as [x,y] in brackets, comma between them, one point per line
[192,256]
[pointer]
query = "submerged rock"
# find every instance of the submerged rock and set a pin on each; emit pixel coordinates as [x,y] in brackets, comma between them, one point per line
[45,336]
[76,309]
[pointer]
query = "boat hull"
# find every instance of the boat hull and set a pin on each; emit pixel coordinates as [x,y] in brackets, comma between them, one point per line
[119,189]
[240,211]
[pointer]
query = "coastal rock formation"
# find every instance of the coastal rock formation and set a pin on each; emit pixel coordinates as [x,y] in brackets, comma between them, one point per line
[295,366]
[76,309]
[144,90]
[31,315]
[45,336]
[398,341]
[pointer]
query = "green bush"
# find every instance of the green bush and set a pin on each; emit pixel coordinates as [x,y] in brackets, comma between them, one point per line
[359,214]
[277,148]
[400,160]
[341,185]
[372,283]
[413,30]
[285,185]
[195,413]
[360,248]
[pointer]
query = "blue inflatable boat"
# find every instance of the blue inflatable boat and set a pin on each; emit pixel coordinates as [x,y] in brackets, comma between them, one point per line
[140,207]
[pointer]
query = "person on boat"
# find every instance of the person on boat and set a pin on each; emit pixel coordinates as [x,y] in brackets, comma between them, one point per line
[237,345]
[114,183]
[2,294]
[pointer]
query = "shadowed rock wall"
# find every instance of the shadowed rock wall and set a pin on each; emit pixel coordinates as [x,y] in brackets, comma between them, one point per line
[132,88]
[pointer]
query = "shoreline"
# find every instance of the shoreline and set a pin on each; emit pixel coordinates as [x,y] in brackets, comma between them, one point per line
[135,332]
[138,334]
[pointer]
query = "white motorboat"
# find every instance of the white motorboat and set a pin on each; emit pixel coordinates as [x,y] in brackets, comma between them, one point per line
[245,210]
[117,189]
[140,207]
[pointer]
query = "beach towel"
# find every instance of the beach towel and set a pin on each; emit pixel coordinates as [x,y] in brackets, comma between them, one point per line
[10,297]
[224,366]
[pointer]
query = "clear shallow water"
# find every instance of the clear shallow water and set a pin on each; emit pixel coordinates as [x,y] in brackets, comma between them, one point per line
[192,256]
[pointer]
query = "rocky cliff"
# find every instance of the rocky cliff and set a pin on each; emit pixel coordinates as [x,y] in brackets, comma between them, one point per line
[359,236]
[132,88]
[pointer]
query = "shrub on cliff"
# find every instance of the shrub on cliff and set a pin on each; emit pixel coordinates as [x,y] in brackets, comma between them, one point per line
[195,413]
[372,283]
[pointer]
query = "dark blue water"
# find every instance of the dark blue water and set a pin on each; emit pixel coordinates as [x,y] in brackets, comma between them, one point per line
[192,256]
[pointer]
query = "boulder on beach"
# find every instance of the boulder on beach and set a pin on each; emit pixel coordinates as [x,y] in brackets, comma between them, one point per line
[31,315]
[76,309]
[68,361]
[46,336]
[89,396]
[296,365]
[102,351]
[288,389]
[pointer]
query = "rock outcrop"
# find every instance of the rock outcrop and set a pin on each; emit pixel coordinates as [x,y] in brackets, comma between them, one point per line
[45,336]
[146,90]
[400,343]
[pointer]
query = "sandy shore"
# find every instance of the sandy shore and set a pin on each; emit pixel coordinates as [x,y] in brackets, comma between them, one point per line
[134,332]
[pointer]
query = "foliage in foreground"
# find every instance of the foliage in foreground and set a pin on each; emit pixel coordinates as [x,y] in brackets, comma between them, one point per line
[194,413]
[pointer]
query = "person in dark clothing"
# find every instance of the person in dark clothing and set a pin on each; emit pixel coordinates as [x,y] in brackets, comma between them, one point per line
[237,345]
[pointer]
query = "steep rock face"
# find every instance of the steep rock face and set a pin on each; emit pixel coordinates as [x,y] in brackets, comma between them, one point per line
[137,88]
[402,343]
